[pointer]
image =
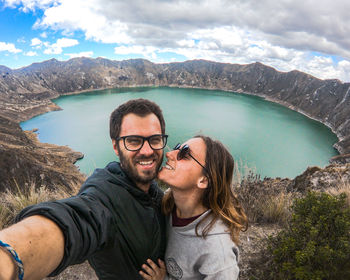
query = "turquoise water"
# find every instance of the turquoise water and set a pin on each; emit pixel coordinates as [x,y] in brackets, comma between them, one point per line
[269,138]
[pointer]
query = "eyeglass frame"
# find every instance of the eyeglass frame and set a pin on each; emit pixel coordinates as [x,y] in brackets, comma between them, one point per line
[188,152]
[164,136]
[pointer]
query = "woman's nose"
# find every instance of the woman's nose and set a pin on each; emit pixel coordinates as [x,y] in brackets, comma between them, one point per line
[171,154]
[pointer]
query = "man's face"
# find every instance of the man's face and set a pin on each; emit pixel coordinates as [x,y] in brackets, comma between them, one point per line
[141,166]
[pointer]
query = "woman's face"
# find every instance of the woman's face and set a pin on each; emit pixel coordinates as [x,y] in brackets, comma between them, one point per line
[184,173]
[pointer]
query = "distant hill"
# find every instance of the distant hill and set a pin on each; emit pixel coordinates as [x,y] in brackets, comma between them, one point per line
[28,91]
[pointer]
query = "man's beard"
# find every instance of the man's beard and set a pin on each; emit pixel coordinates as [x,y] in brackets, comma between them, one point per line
[129,167]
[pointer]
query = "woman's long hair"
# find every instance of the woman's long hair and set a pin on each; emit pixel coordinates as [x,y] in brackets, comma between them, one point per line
[218,196]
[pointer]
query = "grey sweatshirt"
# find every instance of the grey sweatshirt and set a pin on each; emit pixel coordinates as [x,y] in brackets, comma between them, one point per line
[191,257]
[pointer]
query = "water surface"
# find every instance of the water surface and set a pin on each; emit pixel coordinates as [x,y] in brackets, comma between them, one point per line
[267,137]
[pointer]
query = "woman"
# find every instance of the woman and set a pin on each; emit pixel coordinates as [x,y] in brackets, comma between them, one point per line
[205,217]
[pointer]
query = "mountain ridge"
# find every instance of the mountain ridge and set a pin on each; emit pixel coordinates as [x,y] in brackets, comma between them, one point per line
[324,100]
[29,91]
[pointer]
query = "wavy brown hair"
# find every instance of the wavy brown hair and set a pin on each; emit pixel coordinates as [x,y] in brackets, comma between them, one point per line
[218,196]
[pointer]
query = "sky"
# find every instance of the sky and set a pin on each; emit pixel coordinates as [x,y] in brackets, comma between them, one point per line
[306,35]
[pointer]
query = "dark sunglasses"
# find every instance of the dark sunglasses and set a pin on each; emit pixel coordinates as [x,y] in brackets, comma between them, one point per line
[185,152]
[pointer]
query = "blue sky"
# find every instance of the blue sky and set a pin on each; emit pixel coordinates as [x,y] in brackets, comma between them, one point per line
[307,35]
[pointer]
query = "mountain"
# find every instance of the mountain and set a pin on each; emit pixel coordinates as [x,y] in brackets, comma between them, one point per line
[25,161]
[32,87]
[28,91]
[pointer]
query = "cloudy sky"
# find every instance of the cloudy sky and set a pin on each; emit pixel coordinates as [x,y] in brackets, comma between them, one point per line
[308,35]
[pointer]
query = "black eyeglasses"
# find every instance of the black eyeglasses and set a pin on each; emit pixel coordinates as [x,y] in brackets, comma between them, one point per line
[135,142]
[185,152]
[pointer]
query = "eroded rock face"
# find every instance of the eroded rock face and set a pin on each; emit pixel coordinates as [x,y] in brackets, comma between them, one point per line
[25,161]
[34,86]
[28,91]
[322,179]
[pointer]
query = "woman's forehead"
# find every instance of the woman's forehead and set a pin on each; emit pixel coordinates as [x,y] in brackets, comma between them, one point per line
[197,147]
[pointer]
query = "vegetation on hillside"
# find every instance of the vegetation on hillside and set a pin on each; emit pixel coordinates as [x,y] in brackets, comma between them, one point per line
[312,237]
[314,246]
[12,202]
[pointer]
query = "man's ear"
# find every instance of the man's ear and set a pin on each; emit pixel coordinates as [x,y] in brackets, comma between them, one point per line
[115,147]
[202,182]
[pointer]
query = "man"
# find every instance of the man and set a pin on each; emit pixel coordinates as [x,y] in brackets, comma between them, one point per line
[114,221]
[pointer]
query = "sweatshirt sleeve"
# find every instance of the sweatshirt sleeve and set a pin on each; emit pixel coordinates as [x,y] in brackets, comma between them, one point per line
[85,222]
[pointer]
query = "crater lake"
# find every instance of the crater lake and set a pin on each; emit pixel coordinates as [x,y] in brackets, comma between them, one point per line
[264,137]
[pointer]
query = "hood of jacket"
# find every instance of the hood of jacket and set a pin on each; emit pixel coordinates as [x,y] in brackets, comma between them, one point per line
[113,175]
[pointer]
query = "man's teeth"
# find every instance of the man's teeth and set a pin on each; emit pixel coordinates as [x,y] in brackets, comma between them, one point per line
[145,162]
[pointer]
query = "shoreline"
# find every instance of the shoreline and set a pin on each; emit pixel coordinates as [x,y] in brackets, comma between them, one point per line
[284,104]
[54,107]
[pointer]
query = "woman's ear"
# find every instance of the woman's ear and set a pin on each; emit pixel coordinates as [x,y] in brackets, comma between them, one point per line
[202,182]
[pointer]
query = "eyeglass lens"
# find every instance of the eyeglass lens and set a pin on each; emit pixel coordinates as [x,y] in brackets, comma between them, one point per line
[135,142]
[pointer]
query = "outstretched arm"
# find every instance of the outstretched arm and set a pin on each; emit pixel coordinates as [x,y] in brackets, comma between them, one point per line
[39,243]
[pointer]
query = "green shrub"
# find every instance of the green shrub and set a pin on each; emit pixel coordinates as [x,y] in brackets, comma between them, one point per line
[316,244]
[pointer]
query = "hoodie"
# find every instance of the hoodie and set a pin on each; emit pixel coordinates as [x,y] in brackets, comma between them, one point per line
[189,256]
[111,223]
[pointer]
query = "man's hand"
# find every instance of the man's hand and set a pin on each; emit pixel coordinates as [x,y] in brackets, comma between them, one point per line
[39,243]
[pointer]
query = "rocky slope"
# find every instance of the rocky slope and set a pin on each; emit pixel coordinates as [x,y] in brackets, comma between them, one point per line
[28,91]
[25,161]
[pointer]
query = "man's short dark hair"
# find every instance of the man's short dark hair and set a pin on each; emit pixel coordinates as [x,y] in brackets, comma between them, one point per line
[141,107]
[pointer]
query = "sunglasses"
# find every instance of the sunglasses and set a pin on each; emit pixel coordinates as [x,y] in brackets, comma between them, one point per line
[185,152]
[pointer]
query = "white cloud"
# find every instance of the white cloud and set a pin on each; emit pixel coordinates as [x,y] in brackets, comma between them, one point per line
[225,37]
[29,5]
[57,47]
[147,52]
[325,68]
[285,35]
[187,43]
[36,42]
[86,16]
[21,40]
[31,53]
[290,24]
[81,54]
[9,47]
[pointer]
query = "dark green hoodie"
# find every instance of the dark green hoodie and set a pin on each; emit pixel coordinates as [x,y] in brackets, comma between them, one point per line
[111,222]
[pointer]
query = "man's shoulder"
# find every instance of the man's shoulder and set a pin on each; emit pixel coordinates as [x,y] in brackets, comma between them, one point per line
[106,179]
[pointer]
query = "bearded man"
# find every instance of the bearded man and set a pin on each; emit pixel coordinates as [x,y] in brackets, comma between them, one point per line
[115,221]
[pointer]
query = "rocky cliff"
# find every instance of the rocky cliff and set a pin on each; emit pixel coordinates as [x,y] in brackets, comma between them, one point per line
[25,161]
[28,91]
